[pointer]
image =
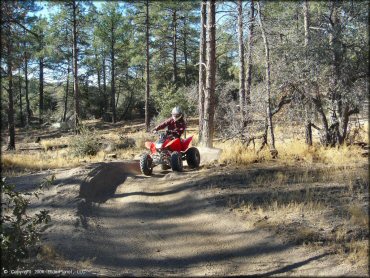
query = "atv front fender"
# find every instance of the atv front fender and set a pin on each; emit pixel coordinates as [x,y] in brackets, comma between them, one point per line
[174,145]
[151,147]
[185,144]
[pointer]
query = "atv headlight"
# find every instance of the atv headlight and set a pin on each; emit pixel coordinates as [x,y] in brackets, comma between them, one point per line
[158,146]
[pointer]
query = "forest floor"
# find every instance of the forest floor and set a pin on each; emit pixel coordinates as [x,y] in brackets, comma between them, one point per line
[265,218]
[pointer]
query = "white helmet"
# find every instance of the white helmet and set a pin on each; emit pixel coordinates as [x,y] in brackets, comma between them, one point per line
[176,113]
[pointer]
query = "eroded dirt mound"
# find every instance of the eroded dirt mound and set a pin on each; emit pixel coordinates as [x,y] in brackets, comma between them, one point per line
[102,181]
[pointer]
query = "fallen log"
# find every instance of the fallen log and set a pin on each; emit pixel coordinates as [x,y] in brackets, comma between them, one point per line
[38,148]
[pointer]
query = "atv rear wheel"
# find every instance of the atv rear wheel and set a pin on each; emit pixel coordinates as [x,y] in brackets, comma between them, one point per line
[193,157]
[176,162]
[146,164]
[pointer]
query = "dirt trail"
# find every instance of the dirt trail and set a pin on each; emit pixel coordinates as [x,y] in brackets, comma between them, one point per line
[108,219]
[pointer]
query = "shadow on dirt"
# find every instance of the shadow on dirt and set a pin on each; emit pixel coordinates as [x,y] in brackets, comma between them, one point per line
[84,210]
[102,182]
[293,266]
[144,231]
[112,251]
[285,185]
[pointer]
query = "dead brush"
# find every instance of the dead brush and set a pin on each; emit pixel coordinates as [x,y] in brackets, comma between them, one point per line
[290,151]
[306,235]
[323,205]
[356,180]
[280,178]
[358,216]
[128,153]
[342,156]
[141,137]
[358,252]
[237,153]
[296,150]
[292,206]
[46,160]
[47,251]
[54,143]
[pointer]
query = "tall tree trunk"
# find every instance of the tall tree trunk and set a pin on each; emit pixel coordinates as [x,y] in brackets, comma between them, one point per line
[118,92]
[241,69]
[174,47]
[98,72]
[147,59]
[66,93]
[335,95]
[41,90]
[209,104]
[20,97]
[11,128]
[249,54]
[308,124]
[113,85]
[202,67]
[106,105]
[273,150]
[344,124]
[325,136]
[28,119]
[185,53]
[75,68]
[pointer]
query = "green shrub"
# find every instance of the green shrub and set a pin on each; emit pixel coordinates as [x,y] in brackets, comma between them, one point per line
[85,143]
[19,231]
[169,97]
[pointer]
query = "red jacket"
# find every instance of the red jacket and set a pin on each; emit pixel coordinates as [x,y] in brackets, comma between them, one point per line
[177,127]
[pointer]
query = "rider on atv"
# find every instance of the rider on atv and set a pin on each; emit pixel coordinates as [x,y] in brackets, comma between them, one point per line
[175,125]
[170,150]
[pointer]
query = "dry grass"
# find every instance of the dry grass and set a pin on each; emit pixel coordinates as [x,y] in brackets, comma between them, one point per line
[46,160]
[52,157]
[237,153]
[325,207]
[358,216]
[290,152]
[48,252]
[234,152]
[319,199]
[306,222]
[141,137]
[54,143]
[49,258]
[358,252]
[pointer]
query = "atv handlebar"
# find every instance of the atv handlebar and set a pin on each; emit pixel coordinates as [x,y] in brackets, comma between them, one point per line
[167,132]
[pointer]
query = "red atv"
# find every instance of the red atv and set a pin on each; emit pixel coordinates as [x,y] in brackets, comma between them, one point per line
[169,152]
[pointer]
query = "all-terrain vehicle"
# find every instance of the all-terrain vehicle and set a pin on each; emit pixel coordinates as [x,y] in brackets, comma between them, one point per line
[169,152]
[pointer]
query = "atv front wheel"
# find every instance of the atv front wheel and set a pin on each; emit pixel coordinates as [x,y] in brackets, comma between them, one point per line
[193,157]
[176,162]
[146,164]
